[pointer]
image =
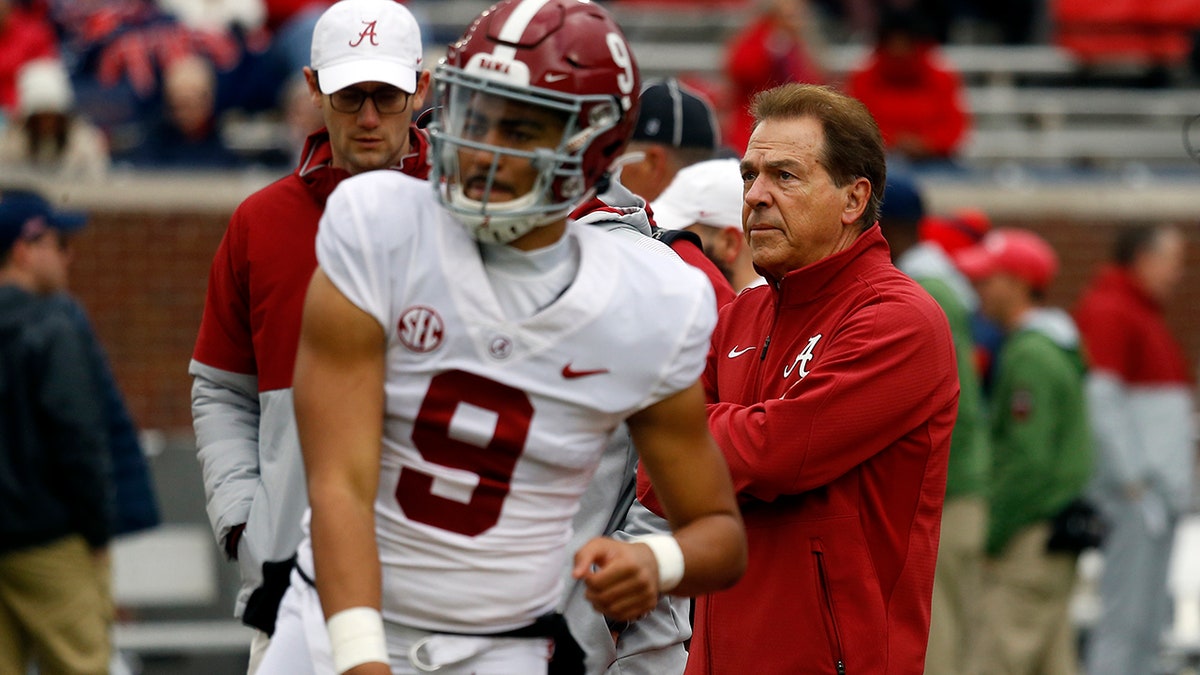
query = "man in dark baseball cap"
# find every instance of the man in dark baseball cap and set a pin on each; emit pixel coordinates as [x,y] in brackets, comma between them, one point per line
[676,127]
[27,216]
[54,464]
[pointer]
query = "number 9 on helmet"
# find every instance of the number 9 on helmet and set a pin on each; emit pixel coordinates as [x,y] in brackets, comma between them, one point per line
[566,60]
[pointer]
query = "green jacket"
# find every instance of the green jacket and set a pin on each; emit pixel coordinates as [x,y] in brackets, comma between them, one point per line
[1041,441]
[970,452]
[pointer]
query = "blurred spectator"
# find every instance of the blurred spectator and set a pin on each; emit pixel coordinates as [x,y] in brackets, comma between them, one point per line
[46,136]
[775,48]
[135,502]
[301,116]
[117,52]
[676,127]
[281,12]
[187,135]
[1041,458]
[953,233]
[917,99]
[961,229]
[290,24]
[23,37]
[55,484]
[1154,35]
[136,505]
[217,15]
[706,200]
[1140,392]
[957,581]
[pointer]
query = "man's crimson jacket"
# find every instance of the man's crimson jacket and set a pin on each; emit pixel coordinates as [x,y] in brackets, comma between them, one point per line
[242,370]
[832,394]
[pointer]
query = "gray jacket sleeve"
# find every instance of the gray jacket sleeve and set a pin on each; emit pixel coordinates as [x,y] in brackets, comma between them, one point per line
[652,645]
[1119,457]
[225,417]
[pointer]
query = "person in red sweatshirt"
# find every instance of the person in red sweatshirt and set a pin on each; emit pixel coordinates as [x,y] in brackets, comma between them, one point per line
[246,347]
[917,100]
[778,46]
[832,392]
[1141,395]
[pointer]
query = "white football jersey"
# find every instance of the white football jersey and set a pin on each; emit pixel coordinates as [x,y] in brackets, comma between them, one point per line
[494,426]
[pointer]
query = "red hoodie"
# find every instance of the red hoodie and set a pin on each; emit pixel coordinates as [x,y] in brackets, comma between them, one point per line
[913,96]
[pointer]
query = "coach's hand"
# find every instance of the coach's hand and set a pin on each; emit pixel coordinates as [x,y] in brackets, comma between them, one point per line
[621,578]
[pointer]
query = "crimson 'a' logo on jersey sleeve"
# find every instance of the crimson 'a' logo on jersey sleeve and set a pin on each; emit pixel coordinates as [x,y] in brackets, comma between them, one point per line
[421,329]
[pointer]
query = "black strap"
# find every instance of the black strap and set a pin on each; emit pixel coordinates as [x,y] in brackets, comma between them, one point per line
[568,658]
[263,604]
[304,575]
[669,237]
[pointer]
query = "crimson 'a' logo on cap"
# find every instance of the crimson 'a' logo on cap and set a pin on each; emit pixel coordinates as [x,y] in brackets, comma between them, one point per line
[368,32]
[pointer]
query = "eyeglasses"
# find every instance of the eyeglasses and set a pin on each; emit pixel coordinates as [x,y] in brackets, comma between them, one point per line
[387,100]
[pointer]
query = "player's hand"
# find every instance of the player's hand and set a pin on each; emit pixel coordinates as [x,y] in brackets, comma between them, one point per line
[621,578]
[374,668]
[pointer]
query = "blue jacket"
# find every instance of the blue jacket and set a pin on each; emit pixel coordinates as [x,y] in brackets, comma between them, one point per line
[136,505]
[54,464]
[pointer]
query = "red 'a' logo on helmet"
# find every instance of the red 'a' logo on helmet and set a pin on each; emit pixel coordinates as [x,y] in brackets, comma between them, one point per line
[368,32]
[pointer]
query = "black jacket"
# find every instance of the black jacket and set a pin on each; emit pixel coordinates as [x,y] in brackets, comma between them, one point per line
[54,467]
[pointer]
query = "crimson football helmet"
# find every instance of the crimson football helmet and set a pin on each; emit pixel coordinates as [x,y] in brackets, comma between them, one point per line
[567,57]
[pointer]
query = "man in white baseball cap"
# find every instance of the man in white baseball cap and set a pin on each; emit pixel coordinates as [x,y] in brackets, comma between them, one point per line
[366,78]
[706,199]
[358,41]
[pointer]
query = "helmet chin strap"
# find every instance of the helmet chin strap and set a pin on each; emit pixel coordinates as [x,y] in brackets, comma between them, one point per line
[502,222]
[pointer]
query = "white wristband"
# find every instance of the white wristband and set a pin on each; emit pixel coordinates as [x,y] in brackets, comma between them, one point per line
[669,556]
[356,637]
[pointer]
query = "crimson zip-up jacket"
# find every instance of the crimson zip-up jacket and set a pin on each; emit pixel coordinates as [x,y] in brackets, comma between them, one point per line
[832,396]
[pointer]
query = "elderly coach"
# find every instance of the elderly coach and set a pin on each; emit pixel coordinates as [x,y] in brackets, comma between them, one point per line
[832,392]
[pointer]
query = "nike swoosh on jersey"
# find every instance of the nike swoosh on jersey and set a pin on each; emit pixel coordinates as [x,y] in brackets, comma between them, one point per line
[554,77]
[570,373]
[735,352]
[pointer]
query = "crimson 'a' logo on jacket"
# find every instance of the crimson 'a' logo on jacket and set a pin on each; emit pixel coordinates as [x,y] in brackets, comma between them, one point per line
[421,329]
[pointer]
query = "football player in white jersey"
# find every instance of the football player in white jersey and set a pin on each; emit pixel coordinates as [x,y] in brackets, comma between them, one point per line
[465,354]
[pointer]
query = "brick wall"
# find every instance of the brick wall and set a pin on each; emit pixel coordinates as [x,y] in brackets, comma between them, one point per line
[142,278]
[142,274]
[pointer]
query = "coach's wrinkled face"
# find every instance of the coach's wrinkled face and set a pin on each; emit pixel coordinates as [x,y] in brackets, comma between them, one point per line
[368,122]
[793,212]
